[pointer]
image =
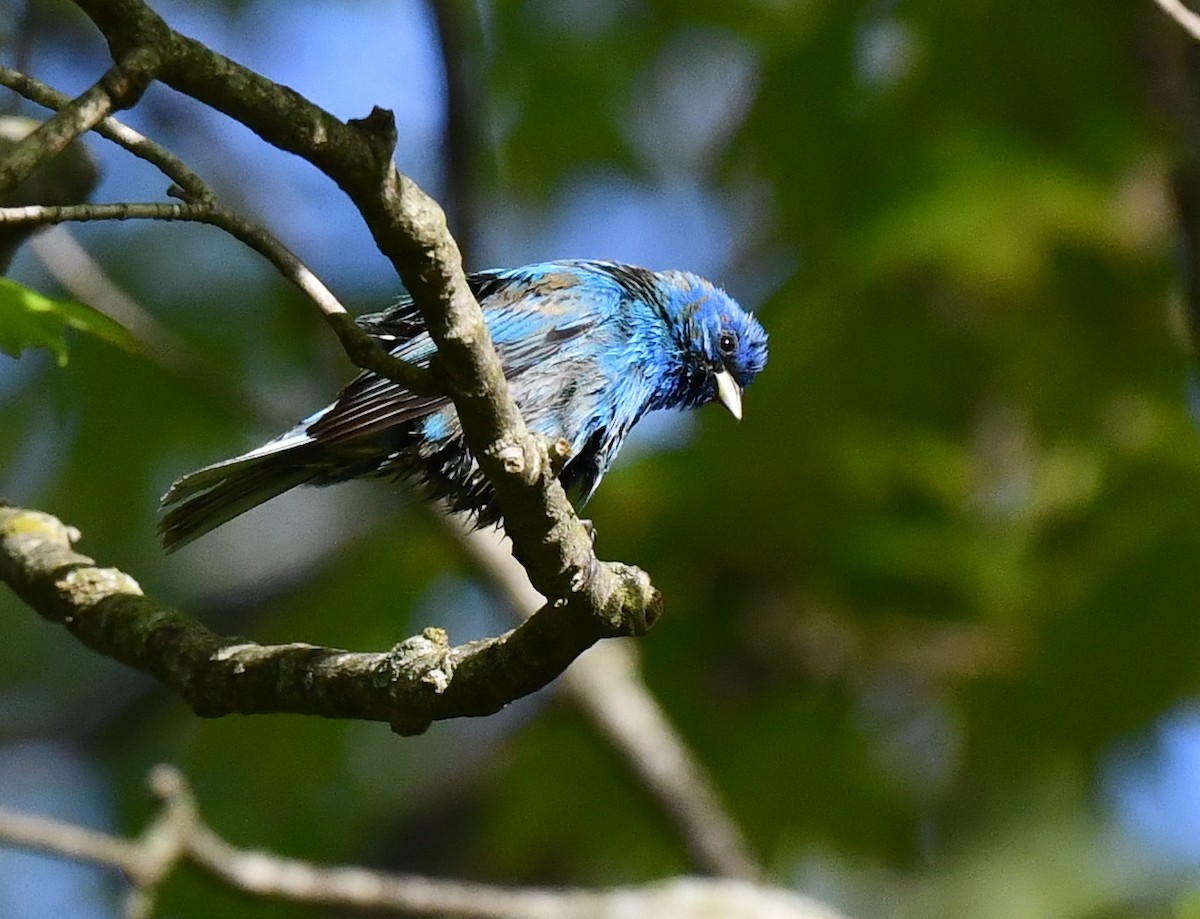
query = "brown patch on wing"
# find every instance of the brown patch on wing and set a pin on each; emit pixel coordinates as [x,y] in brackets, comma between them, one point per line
[496,294]
[557,280]
[371,404]
[547,286]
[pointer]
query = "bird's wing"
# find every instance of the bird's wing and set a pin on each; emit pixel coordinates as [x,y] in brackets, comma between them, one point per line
[532,314]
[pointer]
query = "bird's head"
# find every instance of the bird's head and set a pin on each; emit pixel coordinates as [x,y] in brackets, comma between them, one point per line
[723,346]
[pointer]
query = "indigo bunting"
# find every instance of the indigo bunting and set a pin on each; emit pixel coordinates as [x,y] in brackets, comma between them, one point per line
[587,348]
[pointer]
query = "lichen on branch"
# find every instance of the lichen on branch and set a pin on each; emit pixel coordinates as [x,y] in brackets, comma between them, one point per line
[420,680]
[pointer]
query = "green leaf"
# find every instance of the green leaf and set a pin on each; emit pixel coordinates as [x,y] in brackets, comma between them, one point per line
[30,320]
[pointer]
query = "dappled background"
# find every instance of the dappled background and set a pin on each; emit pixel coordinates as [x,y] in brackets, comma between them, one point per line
[932,609]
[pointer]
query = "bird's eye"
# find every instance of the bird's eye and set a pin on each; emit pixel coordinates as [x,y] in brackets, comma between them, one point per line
[727,343]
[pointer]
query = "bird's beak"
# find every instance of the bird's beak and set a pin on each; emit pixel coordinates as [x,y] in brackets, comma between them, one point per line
[729,393]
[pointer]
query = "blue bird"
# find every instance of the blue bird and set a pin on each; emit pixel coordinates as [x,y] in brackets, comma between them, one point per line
[587,347]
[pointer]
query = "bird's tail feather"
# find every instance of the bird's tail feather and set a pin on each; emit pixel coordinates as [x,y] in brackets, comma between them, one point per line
[209,497]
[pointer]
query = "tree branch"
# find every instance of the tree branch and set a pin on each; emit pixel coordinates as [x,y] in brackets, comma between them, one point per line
[68,178]
[589,599]
[420,680]
[410,229]
[189,185]
[1188,20]
[359,346]
[120,86]
[179,835]
[607,687]
[364,351]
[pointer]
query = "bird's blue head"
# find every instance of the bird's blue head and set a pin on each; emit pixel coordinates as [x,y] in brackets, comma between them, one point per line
[722,347]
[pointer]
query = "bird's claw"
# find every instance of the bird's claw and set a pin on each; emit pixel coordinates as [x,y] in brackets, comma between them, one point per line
[589,528]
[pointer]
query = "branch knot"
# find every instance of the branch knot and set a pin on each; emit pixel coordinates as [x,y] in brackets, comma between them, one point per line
[378,129]
[127,81]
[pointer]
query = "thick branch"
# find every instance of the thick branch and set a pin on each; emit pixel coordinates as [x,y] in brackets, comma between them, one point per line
[421,680]
[179,834]
[410,229]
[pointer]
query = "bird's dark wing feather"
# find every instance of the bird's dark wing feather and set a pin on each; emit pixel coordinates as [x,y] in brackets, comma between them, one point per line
[369,405]
[529,313]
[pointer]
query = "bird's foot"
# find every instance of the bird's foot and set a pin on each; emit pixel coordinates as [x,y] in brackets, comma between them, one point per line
[589,528]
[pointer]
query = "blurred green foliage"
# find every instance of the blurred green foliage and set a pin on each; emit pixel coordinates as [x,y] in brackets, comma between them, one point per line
[29,320]
[916,602]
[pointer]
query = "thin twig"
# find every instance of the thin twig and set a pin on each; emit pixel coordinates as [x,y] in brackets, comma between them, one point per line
[362,349]
[203,208]
[192,187]
[66,839]
[1182,15]
[120,86]
[179,835]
